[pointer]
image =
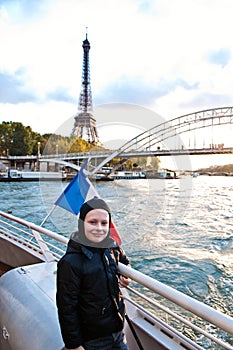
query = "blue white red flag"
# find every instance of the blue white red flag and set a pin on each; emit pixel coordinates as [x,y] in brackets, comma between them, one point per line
[78,191]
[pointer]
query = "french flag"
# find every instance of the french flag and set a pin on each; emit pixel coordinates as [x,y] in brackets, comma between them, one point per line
[78,191]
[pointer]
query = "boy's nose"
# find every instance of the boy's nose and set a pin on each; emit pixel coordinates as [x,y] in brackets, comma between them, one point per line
[99,226]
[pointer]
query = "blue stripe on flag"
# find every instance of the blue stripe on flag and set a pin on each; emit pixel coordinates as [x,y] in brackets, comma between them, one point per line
[75,193]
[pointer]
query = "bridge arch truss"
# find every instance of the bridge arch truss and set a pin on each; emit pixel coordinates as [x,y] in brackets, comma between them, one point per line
[163,133]
[188,123]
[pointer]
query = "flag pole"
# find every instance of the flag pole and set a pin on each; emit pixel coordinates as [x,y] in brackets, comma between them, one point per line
[48,215]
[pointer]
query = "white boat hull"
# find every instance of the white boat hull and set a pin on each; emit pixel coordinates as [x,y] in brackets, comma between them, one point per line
[28,310]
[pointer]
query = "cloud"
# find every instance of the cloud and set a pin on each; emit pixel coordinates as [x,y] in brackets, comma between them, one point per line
[13,90]
[60,94]
[206,100]
[221,56]
[147,7]
[130,90]
[140,91]
[166,55]
[23,10]
[43,117]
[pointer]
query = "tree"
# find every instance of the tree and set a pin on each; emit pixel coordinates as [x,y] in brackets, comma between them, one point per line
[5,138]
[18,140]
[20,144]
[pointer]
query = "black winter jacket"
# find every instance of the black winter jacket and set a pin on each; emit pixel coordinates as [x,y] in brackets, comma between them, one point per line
[89,300]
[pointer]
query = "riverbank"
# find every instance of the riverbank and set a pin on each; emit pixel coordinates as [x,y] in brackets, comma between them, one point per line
[217,170]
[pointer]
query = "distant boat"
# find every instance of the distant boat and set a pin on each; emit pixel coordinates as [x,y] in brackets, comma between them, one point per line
[160,174]
[14,175]
[108,174]
[135,174]
[103,177]
[127,174]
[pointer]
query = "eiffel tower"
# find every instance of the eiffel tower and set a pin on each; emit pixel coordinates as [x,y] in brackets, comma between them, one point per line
[85,123]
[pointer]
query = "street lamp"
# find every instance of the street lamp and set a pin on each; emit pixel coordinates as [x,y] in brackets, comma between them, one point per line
[38,149]
[56,150]
[38,155]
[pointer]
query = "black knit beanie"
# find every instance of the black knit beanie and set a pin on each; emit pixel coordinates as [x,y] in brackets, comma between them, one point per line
[94,203]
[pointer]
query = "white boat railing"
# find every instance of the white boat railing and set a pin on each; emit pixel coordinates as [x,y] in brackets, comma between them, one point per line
[212,320]
[217,321]
[28,234]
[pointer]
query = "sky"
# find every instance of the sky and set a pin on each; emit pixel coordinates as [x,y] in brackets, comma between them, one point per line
[172,57]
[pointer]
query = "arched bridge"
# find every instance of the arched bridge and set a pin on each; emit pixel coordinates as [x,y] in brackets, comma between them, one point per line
[203,132]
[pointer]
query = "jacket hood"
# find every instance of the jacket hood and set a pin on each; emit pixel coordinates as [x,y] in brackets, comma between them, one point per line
[94,203]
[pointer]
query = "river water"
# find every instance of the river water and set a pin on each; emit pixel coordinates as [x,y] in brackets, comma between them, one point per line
[178,231]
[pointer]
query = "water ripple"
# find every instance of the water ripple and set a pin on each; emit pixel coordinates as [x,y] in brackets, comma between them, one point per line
[178,231]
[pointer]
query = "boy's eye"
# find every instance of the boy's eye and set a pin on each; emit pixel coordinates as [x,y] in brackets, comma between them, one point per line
[94,222]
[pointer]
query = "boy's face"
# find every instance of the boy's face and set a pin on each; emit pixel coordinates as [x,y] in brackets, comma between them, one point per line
[96,225]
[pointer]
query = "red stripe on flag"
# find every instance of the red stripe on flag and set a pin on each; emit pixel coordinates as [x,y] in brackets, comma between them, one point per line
[114,233]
